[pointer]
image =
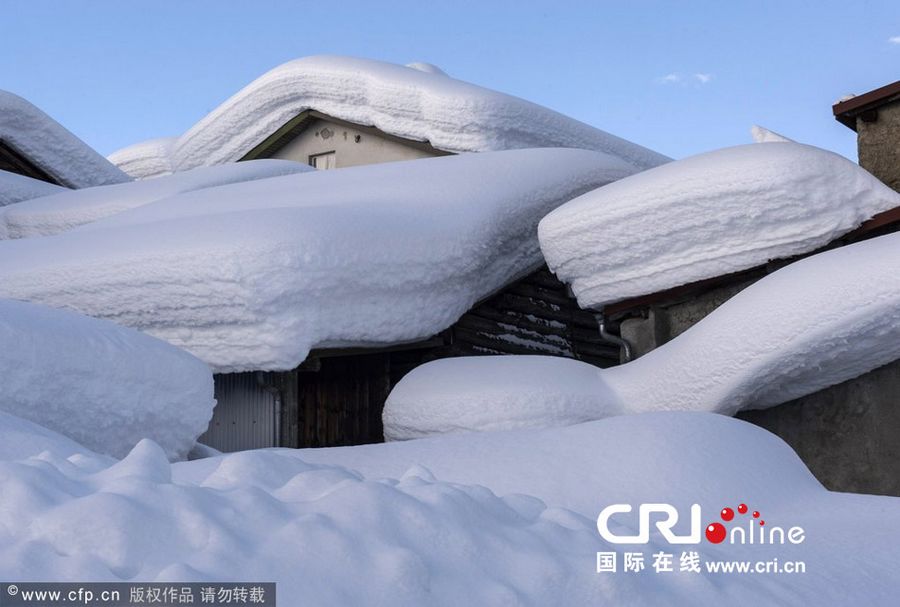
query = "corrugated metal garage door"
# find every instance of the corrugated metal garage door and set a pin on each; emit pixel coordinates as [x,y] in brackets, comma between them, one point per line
[244,417]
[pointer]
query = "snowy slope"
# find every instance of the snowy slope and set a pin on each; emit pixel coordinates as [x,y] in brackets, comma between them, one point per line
[71,208]
[706,216]
[253,275]
[815,323]
[46,143]
[16,188]
[103,385]
[21,439]
[408,102]
[146,159]
[503,518]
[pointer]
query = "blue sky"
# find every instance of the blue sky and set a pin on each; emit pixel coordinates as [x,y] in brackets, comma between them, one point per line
[679,77]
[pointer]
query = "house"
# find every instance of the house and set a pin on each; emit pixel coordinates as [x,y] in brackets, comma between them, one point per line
[334,112]
[34,145]
[846,434]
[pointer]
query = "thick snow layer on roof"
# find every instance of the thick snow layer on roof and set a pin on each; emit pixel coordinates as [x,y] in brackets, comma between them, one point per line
[500,518]
[815,323]
[71,208]
[254,275]
[51,147]
[16,188]
[706,216]
[763,135]
[151,158]
[103,385]
[410,102]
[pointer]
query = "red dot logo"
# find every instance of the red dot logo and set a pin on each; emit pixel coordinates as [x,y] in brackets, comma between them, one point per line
[755,514]
[761,523]
[715,533]
[727,514]
[742,508]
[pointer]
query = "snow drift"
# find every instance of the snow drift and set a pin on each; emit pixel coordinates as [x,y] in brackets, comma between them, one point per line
[253,275]
[409,102]
[16,188]
[815,323]
[55,150]
[71,208]
[461,520]
[152,158]
[706,216]
[103,385]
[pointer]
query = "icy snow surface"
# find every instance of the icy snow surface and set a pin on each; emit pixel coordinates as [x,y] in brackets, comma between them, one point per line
[252,275]
[16,188]
[103,385]
[72,208]
[485,519]
[706,216]
[414,102]
[815,323]
[51,147]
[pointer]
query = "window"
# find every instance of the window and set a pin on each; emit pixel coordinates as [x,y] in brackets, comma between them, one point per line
[323,161]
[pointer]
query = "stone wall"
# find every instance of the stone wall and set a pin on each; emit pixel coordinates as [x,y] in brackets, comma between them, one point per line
[879,143]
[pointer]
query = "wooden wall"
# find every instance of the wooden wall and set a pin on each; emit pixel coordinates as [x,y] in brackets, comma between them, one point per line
[336,397]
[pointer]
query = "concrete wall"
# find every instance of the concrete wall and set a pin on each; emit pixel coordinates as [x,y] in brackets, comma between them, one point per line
[352,147]
[879,144]
[848,435]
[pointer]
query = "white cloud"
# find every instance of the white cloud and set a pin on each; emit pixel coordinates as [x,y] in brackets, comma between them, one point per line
[669,78]
[894,39]
[703,78]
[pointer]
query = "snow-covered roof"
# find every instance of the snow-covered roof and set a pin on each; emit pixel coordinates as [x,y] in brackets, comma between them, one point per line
[52,148]
[101,384]
[16,188]
[413,102]
[707,216]
[71,208]
[147,159]
[253,275]
[815,323]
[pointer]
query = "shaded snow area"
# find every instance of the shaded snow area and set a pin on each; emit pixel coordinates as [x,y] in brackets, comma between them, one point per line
[103,385]
[482,519]
[47,144]
[254,275]
[72,208]
[707,216]
[412,102]
[16,188]
[815,323]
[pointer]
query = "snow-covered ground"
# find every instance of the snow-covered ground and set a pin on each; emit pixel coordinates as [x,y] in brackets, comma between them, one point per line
[409,102]
[46,143]
[103,385]
[16,188]
[815,323]
[71,208]
[253,275]
[707,216]
[501,518]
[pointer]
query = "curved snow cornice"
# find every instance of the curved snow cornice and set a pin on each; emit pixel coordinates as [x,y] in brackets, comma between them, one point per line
[404,101]
[51,147]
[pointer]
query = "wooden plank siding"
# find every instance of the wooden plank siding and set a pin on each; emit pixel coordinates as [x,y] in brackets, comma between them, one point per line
[337,397]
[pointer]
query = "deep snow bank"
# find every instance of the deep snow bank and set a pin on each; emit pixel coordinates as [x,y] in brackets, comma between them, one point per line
[706,216]
[21,439]
[253,275]
[147,159]
[476,519]
[409,102]
[103,385]
[815,323]
[45,142]
[71,208]
[16,188]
